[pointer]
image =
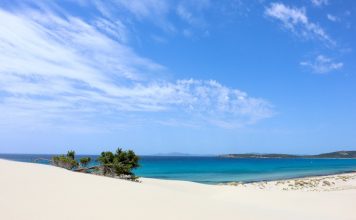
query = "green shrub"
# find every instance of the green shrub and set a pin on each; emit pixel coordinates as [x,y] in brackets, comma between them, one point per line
[84,161]
[119,164]
[71,154]
[65,161]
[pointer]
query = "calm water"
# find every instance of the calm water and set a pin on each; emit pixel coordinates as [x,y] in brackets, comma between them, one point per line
[216,170]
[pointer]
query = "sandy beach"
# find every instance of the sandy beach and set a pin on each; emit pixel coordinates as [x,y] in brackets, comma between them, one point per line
[35,192]
[337,182]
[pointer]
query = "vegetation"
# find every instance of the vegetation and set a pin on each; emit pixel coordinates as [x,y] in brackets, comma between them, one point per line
[71,154]
[65,161]
[119,164]
[84,161]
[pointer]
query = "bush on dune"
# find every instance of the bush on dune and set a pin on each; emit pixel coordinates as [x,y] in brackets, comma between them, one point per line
[84,161]
[65,161]
[119,164]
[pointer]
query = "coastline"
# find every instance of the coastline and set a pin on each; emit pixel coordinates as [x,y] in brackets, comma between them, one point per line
[155,167]
[34,191]
[332,182]
[292,178]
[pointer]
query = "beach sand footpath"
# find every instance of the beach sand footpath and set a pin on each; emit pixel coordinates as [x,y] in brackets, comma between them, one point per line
[39,192]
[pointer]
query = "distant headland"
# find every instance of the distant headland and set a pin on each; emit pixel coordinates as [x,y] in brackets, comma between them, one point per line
[331,155]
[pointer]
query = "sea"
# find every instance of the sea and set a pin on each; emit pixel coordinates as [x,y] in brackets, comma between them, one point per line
[215,170]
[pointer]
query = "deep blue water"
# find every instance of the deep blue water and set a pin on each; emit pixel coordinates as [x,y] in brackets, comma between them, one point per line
[217,170]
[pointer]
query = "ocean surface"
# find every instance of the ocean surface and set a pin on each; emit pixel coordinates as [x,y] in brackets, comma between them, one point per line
[213,170]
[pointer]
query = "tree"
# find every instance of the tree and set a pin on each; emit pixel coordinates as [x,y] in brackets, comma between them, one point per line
[120,164]
[65,161]
[71,154]
[106,159]
[84,161]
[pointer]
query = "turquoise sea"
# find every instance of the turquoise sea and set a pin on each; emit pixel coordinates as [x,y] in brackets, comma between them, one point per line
[215,170]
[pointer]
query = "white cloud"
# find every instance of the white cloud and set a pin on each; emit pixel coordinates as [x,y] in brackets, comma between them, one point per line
[155,11]
[146,8]
[296,20]
[332,18]
[320,3]
[56,69]
[191,12]
[115,29]
[322,64]
[171,17]
[185,14]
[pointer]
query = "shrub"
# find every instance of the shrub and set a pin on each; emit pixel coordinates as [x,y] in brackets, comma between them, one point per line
[65,161]
[84,161]
[120,164]
[71,154]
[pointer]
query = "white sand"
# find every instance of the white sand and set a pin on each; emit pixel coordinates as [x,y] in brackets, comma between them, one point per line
[36,192]
[337,182]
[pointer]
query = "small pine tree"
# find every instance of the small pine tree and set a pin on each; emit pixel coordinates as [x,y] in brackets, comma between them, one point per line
[71,154]
[84,161]
[65,161]
[120,163]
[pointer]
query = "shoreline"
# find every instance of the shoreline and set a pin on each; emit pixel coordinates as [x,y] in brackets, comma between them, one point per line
[292,178]
[228,182]
[31,191]
[334,182]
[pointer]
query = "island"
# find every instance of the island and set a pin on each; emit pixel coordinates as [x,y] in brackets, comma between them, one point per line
[331,155]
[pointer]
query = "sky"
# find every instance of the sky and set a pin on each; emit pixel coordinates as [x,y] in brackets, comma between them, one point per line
[192,76]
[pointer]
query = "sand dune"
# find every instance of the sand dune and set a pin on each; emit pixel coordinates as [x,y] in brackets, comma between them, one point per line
[36,192]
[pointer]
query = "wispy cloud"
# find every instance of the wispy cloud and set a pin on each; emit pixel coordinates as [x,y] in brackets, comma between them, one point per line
[60,69]
[320,3]
[173,17]
[297,21]
[147,8]
[191,11]
[332,18]
[322,64]
[155,11]
[116,29]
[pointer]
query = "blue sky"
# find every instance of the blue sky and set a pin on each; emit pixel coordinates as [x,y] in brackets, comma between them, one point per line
[196,76]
